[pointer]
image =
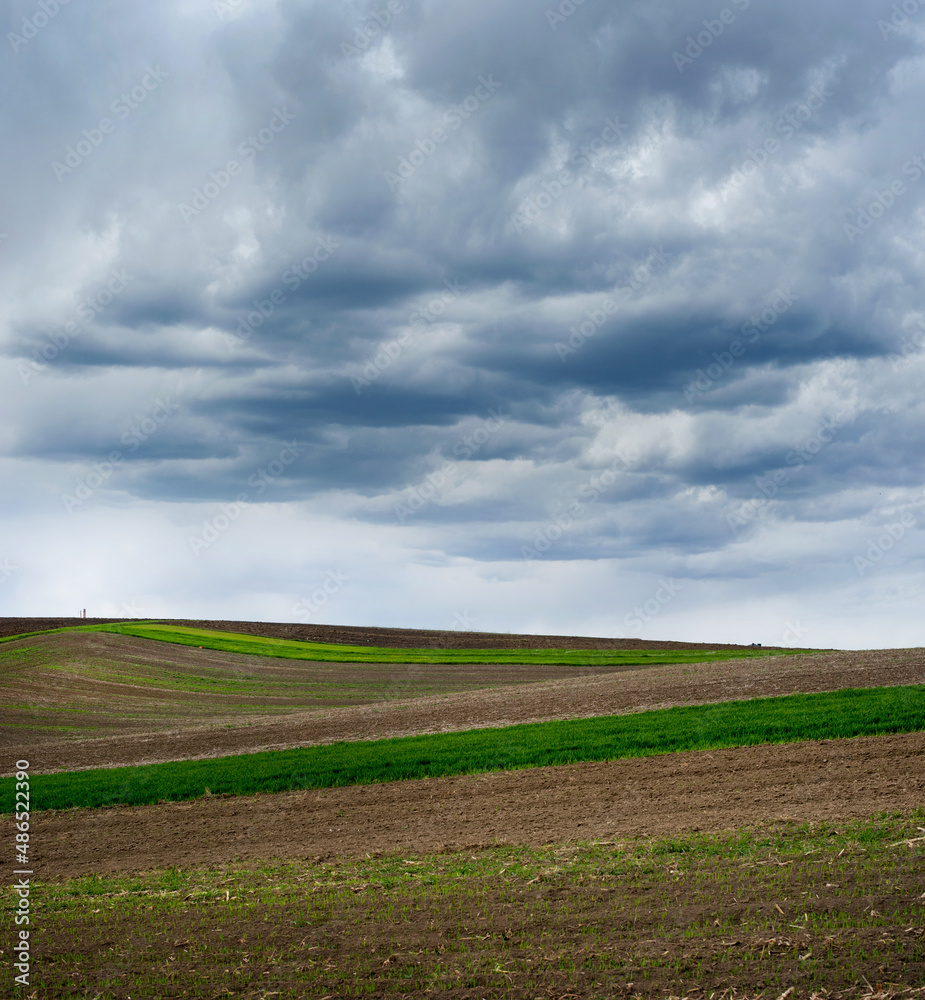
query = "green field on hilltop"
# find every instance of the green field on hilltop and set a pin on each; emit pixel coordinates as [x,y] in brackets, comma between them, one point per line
[294,649]
[830,715]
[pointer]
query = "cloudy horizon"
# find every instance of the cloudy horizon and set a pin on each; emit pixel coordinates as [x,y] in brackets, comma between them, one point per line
[522,317]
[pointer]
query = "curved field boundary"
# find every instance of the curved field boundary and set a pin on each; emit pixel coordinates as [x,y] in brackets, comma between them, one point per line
[356,635]
[52,631]
[231,642]
[831,715]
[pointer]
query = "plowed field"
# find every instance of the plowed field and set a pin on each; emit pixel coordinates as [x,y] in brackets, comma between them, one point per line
[499,695]
[73,686]
[542,883]
[719,790]
[406,638]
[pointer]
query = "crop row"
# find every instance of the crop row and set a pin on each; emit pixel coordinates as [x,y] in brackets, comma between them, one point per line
[233,642]
[831,715]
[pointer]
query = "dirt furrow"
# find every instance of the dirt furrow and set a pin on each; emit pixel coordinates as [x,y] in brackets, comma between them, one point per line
[575,697]
[710,791]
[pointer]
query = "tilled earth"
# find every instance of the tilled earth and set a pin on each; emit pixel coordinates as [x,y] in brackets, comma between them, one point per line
[789,912]
[577,938]
[89,685]
[20,626]
[413,638]
[666,795]
[572,696]
[402,638]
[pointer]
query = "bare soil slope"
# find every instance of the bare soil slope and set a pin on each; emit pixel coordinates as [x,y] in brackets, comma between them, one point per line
[628,690]
[19,626]
[108,948]
[412,638]
[516,695]
[402,638]
[708,791]
[79,685]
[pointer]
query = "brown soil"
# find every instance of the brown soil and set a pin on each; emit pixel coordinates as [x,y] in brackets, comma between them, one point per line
[708,791]
[626,690]
[19,626]
[403,638]
[636,920]
[412,638]
[678,946]
[89,685]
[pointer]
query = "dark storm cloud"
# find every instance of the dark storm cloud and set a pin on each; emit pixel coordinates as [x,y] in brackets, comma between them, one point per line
[692,229]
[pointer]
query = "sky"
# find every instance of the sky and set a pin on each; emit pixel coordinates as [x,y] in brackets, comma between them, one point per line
[576,318]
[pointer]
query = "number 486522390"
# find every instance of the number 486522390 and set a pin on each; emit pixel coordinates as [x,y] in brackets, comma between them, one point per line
[22,812]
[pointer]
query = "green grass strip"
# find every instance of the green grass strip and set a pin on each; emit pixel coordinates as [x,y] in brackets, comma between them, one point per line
[830,715]
[293,649]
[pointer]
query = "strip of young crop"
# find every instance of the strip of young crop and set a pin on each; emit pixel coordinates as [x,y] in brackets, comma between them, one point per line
[233,642]
[831,715]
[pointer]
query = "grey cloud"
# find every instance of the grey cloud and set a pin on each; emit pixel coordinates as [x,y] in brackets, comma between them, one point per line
[302,294]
